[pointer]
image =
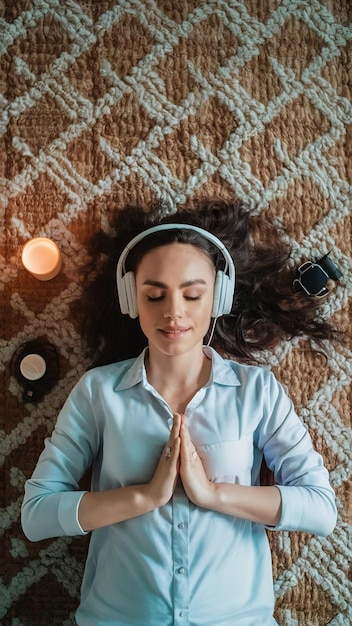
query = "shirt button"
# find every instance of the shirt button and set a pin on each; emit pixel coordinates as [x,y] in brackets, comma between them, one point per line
[181,525]
[183,613]
[181,570]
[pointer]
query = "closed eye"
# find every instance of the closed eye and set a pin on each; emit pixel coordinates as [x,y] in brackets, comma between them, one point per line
[154,298]
[159,298]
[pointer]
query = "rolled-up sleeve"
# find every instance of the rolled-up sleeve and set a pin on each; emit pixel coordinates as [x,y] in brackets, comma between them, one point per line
[308,500]
[52,494]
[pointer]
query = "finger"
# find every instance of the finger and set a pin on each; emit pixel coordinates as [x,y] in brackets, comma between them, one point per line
[171,453]
[174,427]
[175,451]
[188,450]
[185,434]
[174,434]
[175,431]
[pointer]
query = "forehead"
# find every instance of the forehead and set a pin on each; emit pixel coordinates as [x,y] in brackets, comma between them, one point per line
[175,257]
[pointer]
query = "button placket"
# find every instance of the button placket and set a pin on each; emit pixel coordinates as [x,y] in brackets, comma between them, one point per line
[181,557]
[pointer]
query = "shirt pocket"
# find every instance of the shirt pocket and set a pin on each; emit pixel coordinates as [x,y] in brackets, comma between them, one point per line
[229,461]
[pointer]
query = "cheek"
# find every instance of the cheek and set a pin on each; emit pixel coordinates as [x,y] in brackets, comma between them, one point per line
[145,316]
[203,315]
[209,301]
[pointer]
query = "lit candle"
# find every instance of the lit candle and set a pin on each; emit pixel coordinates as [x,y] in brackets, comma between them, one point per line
[33,367]
[41,257]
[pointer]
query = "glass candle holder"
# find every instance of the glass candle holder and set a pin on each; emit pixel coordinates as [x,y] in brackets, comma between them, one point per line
[42,258]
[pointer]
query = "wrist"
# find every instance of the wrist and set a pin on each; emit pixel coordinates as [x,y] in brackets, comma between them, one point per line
[147,497]
[207,497]
[153,496]
[219,496]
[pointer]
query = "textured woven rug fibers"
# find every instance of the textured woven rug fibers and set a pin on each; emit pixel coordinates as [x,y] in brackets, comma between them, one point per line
[108,103]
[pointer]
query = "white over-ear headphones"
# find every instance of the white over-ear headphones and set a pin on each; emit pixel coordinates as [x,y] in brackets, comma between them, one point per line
[224,283]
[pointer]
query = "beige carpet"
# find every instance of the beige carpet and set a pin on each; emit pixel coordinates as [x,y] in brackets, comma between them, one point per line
[108,103]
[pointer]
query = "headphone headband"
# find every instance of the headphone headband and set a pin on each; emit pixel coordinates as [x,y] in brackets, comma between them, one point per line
[224,284]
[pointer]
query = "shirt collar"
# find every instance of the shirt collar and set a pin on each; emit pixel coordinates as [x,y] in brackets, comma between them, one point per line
[135,373]
[221,373]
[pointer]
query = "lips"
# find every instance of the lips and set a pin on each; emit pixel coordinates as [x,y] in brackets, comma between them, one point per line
[174,332]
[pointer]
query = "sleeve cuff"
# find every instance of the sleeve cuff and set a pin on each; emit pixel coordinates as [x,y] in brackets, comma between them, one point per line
[68,513]
[291,509]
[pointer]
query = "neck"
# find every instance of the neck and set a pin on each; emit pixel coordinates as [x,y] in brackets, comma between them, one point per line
[177,368]
[178,378]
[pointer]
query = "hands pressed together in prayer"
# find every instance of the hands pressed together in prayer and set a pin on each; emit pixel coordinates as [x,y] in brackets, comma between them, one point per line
[180,458]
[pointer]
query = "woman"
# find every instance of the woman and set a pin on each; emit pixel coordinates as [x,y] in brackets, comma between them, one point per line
[176,433]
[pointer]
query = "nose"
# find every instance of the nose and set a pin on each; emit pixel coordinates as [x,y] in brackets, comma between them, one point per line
[174,306]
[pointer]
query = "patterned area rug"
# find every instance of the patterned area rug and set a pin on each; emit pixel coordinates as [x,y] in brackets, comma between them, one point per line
[108,103]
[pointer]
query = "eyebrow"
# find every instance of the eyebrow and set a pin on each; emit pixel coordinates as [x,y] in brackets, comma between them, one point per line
[187,283]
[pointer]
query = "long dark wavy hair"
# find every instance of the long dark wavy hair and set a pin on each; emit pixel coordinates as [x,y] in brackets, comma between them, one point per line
[265,308]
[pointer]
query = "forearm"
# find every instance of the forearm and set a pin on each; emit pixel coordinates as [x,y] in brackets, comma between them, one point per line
[103,508]
[257,504]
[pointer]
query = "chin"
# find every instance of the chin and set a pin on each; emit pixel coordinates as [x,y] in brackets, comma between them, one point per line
[178,348]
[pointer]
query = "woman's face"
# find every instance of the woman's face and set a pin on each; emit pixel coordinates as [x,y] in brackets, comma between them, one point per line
[175,287]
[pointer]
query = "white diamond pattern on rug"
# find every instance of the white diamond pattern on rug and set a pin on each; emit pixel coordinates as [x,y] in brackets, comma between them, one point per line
[107,103]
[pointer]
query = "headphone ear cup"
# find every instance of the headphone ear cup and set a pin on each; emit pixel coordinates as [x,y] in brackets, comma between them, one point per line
[131,294]
[223,295]
[121,292]
[228,295]
[217,294]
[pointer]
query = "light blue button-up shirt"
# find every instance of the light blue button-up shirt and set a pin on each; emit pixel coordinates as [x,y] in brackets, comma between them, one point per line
[179,565]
